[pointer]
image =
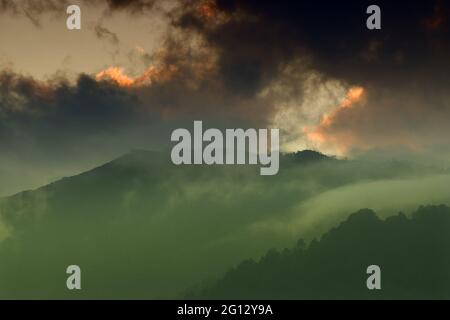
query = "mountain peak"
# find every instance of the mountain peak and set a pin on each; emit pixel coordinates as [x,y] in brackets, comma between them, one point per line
[307,156]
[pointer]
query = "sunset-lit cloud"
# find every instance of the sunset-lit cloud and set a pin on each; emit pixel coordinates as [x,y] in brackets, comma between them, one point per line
[149,76]
[321,136]
[115,74]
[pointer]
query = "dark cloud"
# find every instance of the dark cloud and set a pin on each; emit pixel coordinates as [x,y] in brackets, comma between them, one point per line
[250,50]
[55,114]
[262,35]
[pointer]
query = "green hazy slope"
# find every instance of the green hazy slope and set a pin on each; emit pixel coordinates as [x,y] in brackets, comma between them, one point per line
[140,227]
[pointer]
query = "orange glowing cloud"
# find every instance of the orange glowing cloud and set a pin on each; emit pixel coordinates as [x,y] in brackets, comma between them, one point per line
[149,76]
[321,134]
[354,95]
[115,74]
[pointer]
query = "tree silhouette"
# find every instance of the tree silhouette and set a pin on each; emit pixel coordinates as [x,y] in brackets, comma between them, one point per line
[412,253]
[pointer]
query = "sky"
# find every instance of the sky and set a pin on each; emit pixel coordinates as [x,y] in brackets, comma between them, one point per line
[73,99]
